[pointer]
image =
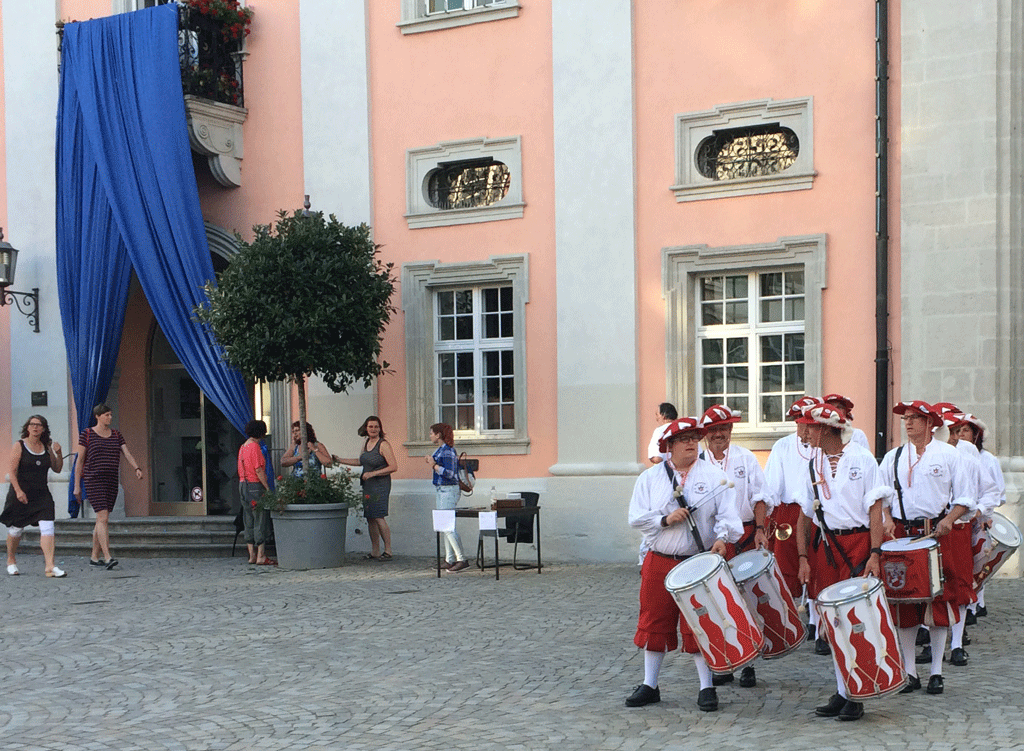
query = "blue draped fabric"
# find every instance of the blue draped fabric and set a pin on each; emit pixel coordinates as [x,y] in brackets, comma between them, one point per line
[127,197]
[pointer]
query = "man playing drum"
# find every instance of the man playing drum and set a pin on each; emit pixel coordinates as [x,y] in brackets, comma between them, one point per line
[753,500]
[934,488]
[786,477]
[843,502]
[663,500]
[844,406]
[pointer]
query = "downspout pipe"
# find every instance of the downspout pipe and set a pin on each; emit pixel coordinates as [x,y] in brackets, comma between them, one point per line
[881,227]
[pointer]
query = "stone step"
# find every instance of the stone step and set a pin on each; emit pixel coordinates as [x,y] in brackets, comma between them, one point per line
[148,537]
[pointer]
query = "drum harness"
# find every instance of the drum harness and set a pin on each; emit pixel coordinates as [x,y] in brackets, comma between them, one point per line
[681,498]
[827,535]
[899,494]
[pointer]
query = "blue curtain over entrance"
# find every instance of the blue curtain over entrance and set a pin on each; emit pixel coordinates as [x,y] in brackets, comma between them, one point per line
[127,198]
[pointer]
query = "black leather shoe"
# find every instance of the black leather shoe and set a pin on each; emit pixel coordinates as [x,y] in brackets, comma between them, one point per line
[925,657]
[748,678]
[810,632]
[966,640]
[923,637]
[957,657]
[852,710]
[913,684]
[833,708]
[643,695]
[707,700]
[821,647]
[970,619]
[721,680]
[981,611]
[935,685]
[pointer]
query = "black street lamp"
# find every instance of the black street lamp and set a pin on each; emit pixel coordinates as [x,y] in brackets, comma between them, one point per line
[8,260]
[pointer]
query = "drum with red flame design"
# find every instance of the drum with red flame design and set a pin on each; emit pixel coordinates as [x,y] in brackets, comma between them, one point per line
[713,608]
[767,595]
[855,620]
[999,543]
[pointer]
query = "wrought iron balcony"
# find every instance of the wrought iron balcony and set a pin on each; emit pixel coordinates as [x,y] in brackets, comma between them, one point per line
[210,52]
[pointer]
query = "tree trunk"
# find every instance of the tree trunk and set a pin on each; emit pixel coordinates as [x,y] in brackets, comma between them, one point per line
[300,381]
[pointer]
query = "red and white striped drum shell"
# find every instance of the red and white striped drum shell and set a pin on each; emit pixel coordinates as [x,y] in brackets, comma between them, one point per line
[854,618]
[767,595]
[712,606]
[993,547]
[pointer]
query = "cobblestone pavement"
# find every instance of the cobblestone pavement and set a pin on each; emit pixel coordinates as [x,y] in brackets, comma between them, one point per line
[215,654]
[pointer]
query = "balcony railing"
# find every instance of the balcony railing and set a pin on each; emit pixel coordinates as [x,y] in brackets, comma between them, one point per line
[211,58]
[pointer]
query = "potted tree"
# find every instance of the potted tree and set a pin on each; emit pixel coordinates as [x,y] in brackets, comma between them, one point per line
[309,296]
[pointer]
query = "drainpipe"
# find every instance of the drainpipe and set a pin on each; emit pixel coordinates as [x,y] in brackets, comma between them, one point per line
[881,227]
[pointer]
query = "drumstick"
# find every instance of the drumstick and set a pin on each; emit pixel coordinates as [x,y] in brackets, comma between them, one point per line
[925,537]
[802,607]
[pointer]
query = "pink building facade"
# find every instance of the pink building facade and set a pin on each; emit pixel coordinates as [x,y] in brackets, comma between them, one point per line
[592,208]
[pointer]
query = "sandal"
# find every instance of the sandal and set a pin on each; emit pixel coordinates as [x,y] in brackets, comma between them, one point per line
[369,557]
[385,556]
[267,562]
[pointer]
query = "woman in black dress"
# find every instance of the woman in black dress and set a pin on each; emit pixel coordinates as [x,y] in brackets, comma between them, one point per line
[377,463]
[29,502]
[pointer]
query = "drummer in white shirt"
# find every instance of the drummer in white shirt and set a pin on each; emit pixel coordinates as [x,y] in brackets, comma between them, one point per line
[971,429]
[753,500]
[844,509]
[660,515]
[936,487]
[845,407]
[666,414]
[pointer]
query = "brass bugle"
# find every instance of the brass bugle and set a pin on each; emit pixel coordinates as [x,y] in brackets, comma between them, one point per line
[783,531]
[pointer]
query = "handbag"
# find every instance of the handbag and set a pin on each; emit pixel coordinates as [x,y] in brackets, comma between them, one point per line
[466,477]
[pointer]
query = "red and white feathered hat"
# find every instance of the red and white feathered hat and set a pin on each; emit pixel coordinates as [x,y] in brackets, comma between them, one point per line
[798,407]
[719,414]
[823,414]
[955,420]
[941,408]
[921,408]
[847,403]
[678,427]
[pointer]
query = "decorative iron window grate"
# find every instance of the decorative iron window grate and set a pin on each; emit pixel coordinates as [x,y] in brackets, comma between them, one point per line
[211,60]
[468,184]
[756,151]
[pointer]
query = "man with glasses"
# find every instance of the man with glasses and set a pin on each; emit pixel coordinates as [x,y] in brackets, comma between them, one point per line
[663,518]
[934,489]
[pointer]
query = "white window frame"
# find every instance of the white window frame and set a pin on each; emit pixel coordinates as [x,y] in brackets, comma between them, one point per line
[752,330]
[477,346]
[416,19]
[682,266]
[421,162]
[420,282]
[692,128]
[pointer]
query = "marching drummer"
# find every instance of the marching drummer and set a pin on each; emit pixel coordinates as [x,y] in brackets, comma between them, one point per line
[753,500]
[786,477]
[934,489]
[971,429]
[843,502]
[683,507]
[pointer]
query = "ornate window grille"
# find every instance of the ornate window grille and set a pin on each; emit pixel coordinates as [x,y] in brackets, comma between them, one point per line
[211,61]
[468,184]
[756,151]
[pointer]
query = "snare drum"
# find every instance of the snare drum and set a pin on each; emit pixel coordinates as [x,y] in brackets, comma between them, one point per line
[855,619]
[767,595]
[911,570]
[715,611]
[1003,539]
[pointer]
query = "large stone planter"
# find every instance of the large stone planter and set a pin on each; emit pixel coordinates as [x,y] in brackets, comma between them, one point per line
[310,535]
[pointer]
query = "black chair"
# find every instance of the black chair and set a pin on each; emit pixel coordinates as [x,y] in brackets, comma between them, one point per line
[518,528]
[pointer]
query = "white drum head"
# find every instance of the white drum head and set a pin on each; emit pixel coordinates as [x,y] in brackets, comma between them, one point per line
[904,544]
[750,565]
[693,570]
[849,589]
[1004,531]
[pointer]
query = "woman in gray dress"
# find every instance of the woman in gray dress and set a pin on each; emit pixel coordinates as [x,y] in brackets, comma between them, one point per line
[377,463]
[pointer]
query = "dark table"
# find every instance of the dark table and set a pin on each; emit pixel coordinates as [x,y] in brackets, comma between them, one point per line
[474,513]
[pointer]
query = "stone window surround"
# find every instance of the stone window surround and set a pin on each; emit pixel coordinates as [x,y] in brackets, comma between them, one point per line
[682,265]
[419,282]
[419,163]
[415,21]
[692,128]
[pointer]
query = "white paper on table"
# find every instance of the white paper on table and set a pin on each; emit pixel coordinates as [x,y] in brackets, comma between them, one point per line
[488,520]
[444,520]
